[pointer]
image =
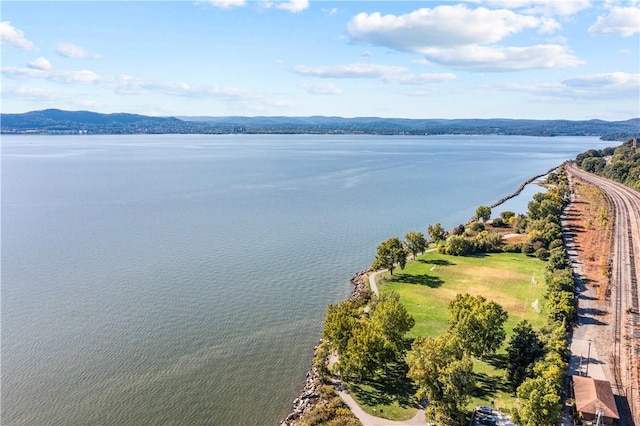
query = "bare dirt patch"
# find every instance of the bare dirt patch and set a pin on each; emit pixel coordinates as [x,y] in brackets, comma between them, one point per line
[588,217]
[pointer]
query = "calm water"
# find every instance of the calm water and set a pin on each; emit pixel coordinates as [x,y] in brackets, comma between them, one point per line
[184,279]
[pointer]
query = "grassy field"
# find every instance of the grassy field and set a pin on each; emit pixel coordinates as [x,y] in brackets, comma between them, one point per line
[428,284]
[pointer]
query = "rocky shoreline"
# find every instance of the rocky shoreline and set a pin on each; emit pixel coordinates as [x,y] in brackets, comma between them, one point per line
[309,396]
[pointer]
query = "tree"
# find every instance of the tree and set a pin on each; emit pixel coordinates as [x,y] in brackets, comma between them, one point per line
[444,374]
[561,306]
[436,232]
[478,322]
[484,213]
[389,253]
[391,319]
[415,242]
[557,259]
[363,351]
[523,351]
[457,245]
[339,323]
[539,403]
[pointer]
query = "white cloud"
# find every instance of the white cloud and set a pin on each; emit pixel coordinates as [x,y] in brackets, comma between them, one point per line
[13,36]
[71,50]
[331,11]
[293,6]
[421,79]
[544,7]
[357,70]
[226,4]
[606,80]
[73,77]
[498,58]
[442,26]
[18,72]
[40,64]
[593,87]
[622,20]
[321,88]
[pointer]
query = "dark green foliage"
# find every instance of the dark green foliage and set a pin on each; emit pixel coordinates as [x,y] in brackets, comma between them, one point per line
[477,227]
[458,245]
[558,259]
[444,375]
[483,213]
[389,253]
[512,248]
[623,166]
[415,243]
[436,232]
[542,253]
[524,349]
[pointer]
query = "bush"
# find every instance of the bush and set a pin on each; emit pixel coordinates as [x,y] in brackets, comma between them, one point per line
[458,246]
[527,248]
[477,226]
[555,244]
[542,254]
[512,248]
[498,223]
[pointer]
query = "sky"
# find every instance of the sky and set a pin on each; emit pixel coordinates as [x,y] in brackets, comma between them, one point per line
[537,59]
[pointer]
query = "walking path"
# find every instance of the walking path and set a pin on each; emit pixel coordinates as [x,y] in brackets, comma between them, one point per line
[369,420]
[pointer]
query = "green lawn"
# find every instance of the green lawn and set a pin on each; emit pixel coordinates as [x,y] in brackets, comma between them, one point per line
[428,284]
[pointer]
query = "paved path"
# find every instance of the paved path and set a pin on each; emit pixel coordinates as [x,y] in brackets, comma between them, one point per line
[369,420]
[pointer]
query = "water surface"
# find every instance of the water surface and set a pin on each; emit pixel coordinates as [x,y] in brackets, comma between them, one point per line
[183,279]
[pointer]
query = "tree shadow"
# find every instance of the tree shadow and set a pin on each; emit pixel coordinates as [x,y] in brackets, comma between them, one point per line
[582,320]
[591,311]
[387,387]
[499,361]
[487,386]
[438,262]
[422,279]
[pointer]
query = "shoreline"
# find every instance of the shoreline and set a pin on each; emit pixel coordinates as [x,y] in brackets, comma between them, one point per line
[308,396]
[306,399]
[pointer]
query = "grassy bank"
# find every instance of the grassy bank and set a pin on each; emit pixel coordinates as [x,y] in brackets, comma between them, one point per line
[427,285]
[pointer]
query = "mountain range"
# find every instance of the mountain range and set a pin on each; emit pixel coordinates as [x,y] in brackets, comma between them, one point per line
[55,121]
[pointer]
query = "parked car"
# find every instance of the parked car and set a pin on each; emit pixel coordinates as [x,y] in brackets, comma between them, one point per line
[484,409]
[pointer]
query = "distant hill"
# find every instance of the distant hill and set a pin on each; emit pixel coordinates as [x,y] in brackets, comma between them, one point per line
[55,121]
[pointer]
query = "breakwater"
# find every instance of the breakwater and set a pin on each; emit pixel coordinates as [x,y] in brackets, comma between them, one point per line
[517,191]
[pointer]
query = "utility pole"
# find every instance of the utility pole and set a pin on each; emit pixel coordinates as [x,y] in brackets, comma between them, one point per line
[588,357]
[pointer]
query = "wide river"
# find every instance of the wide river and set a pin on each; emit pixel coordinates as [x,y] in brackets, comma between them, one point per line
[178,280]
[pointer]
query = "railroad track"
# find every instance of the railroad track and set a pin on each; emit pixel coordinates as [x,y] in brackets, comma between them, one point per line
[625,356]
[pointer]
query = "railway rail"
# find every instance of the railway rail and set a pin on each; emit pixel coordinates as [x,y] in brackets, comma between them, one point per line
[625,266]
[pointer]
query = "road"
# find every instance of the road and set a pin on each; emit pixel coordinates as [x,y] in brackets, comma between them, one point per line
[623,299]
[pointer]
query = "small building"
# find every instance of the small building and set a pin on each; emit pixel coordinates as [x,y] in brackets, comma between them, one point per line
[594,398]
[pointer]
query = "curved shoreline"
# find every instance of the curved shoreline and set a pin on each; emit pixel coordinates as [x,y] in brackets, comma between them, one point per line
[308,397]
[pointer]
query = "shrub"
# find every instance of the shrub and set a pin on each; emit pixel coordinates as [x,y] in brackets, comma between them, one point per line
[542,253]
[512,248]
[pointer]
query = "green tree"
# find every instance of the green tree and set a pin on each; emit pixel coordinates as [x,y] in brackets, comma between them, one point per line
[363,351]
[415,242]
[523,351]
[478,322]
[483,213]
[539,403]
[339,323]
[444,374]
[457,245]
[436,232]
[391,319]
[389,253]
[562,306]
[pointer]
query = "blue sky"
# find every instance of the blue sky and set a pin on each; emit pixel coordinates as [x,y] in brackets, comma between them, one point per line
[540,59]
